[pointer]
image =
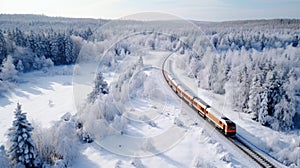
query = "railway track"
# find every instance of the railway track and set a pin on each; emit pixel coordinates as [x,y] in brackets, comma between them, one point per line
[240,144]
[263,162]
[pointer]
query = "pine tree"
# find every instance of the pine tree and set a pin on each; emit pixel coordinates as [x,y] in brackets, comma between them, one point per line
[32,42]
[68,50]
[3,47]
[283,115]
[100,87]
[255,95]
[8,70]
[54,48]
[263,117]
[242,89]
[274,85]
[213,71]
[22,149]
[87,34]
[19,38]
[285,110]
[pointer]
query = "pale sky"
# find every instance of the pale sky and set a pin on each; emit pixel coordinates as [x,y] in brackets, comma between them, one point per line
[203,10]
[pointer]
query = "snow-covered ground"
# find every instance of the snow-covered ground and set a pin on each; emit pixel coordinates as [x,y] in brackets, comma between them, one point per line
[45,97]
[48,96]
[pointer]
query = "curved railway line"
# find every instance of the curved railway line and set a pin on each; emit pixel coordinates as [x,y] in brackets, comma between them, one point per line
[235,139]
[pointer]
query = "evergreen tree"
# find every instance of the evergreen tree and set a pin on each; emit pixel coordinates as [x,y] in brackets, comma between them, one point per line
[100,87]
[271,96]
[31,42]
[8,71]
[3,47]
[54,48]
[284,114]
[285,110]
[22,149]
[70,58]
[213,72]
[255,96]
[87,34]
[263,117]
[19,38]
[242,89]
[274,85]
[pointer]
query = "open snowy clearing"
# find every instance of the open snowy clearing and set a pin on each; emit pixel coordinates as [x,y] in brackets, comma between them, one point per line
[44,96]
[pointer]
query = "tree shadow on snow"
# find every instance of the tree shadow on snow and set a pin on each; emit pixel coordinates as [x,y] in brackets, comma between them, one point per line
[34,86]
[4,101]
[83,161]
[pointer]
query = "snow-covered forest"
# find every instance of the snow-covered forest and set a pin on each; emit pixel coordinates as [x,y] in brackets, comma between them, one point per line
[258,69]
[255,64]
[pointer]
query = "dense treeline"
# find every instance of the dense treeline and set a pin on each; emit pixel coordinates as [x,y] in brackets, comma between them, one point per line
[250,40]
[23,51]
[35,41]
[42,23]
[32,47]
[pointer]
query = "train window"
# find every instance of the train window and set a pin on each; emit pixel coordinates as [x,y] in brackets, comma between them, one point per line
[231,128]
[224,118]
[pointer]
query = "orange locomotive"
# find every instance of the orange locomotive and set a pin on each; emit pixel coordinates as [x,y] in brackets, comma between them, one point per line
[206,111]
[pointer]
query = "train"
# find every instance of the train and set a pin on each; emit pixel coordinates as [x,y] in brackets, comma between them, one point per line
[223,123]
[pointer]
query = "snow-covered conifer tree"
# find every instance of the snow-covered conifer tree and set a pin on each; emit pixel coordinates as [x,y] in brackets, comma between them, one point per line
[263,117]
[284,114]
[213,71]
[22,150]
[285,110]
[254,96]
[3,47]
[8,70]
[100,87]
[70,58]
[18,37]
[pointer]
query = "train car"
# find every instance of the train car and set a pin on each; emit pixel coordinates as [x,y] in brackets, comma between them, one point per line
[200,106]
[230,127]
[173,84]
[188,96]
[220,121]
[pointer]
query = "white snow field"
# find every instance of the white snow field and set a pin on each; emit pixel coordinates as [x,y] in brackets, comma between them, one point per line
[47,96]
